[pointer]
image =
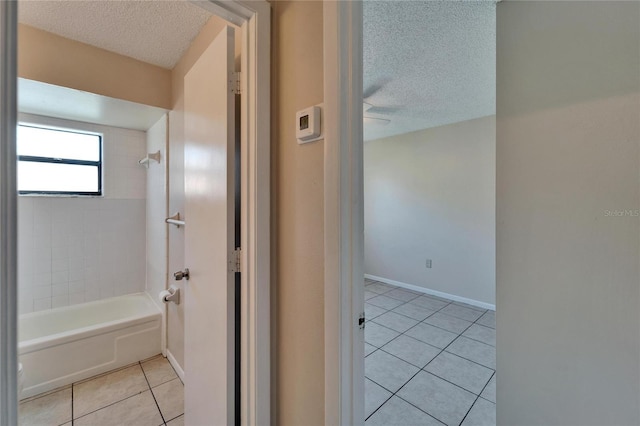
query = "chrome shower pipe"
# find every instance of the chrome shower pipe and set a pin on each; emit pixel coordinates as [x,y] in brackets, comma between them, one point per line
[8,215]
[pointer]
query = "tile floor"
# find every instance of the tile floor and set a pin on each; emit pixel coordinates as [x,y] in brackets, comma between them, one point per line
[429,361]
[146,393]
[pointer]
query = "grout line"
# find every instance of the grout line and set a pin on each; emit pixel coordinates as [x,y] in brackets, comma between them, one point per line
[468,411]
[411,378]
[124,399]
[478,397]
[43,394]
[485,386]
[470,360]
[475,362]
[109,405]
[399,397]
[170,420]
[407,330]
[72,416]
[423,368]
[448,331]
[102,375]
[106,373]
[479,341]
[152,394]
[402,300]
[385,401]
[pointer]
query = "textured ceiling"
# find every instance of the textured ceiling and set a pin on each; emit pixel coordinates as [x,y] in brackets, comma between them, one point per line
[435,61]
[157,32]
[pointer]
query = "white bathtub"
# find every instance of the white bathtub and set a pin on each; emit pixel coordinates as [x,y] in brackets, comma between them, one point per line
[61,346]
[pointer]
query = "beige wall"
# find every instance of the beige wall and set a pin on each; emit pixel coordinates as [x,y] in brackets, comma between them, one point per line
[568,157]
[298,215]
[431,194]
[46,57]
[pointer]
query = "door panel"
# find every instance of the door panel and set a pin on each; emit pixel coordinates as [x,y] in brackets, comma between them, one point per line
[209,235]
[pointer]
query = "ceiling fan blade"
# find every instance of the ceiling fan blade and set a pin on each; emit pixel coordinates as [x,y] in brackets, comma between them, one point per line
[383,110]
[375,87]
[379,121]
[371,90]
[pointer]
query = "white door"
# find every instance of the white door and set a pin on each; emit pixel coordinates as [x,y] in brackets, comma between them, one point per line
[209,235]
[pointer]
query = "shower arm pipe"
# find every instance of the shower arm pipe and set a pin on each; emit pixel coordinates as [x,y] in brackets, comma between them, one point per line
[8,215]
[155,156]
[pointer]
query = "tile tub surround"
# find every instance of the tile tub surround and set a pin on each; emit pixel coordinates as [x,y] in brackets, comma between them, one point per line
[78,249]
[145,393]
[428,360]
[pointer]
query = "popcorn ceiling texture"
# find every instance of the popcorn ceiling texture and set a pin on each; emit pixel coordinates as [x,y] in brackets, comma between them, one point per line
[435,59]
[157,32]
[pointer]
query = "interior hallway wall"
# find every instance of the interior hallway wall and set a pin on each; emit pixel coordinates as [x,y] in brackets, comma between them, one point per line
[568,191]
[297,198]
[431,194]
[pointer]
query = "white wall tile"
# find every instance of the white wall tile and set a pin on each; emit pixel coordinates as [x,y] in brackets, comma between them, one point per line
[59,277]
[59,301]
[40,279]
[76,298]
[76,287]
[60,289]
[59,265]
[41,304]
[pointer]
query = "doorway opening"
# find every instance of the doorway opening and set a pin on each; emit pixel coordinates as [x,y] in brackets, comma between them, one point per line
[133,103]
[370,220]
[429,212]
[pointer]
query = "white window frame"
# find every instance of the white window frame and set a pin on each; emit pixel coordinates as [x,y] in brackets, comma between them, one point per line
[100,165]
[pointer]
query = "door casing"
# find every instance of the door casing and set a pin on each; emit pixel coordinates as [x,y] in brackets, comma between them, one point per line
[254,19]
[343,213]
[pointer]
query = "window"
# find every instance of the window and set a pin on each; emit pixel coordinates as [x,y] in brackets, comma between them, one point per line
[57,161]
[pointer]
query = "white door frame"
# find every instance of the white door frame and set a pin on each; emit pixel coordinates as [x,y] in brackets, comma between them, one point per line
[343,213]
[254,19]
[8,214]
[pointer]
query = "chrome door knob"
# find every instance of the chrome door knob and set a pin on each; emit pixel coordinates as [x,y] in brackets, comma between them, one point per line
[181,274]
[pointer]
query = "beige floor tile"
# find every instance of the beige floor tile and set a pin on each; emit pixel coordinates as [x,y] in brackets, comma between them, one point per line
[179,421]
[170,398]
[105,390]
[51,409]
[139,410]
[158,371]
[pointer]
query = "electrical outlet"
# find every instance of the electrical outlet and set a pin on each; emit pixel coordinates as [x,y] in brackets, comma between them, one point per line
[428,263]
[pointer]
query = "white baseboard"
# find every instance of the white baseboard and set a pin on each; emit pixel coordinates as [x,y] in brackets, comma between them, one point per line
[424,290]
[175,365]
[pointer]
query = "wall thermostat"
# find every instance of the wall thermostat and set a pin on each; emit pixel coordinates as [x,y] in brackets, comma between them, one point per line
[308,124]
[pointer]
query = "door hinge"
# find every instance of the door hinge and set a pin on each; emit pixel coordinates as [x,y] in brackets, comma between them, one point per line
[234,82]
[235,261]
[361,321]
